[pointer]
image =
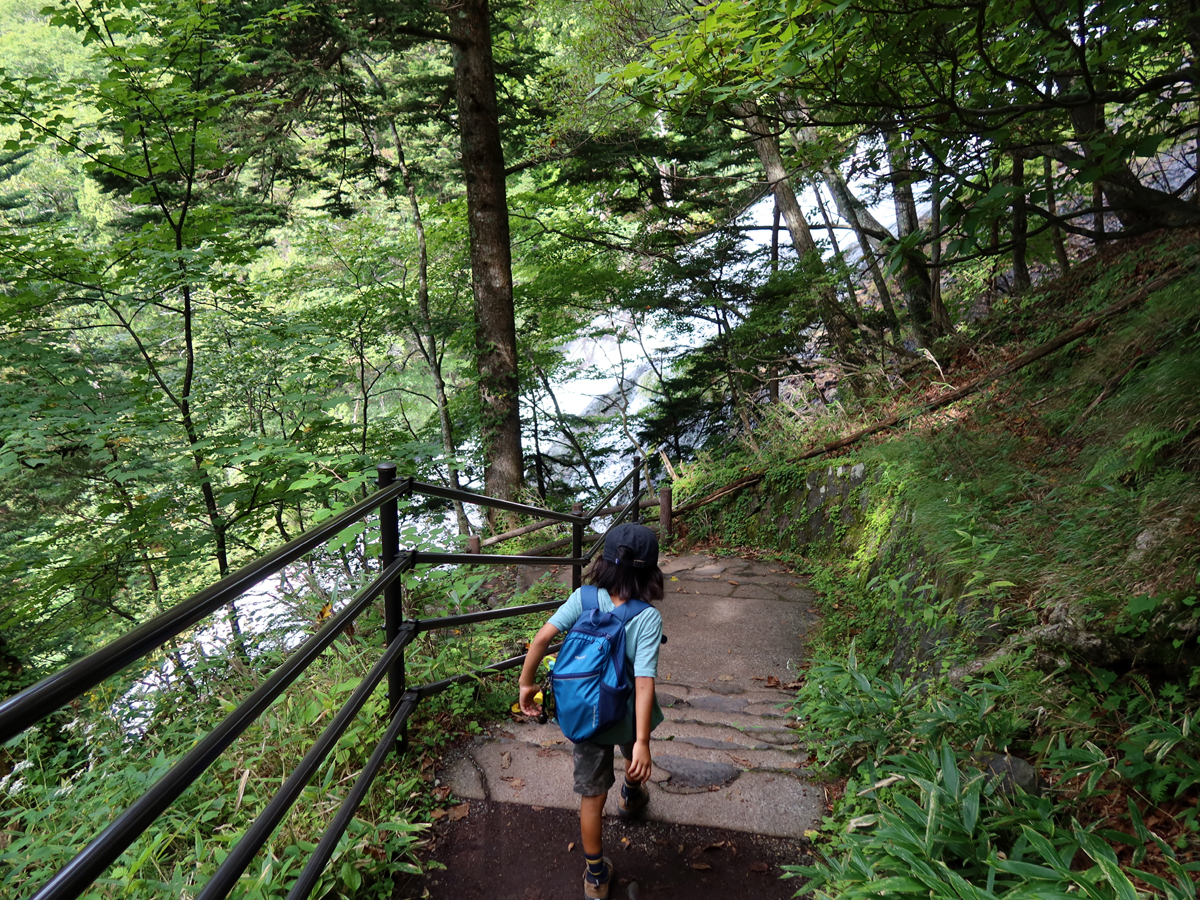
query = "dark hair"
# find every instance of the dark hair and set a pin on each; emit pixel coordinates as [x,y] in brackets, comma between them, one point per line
[627,581]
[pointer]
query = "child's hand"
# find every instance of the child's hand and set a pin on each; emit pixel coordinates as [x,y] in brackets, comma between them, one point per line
[639,766]
[528,692]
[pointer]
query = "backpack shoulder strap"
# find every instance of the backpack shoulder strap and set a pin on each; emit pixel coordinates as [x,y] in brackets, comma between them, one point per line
[630,608]
[589,596]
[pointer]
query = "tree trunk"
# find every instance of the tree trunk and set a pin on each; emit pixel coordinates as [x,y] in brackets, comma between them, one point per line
[1020,227]
[491,254]
[766,142]
[773,371]
[914,271]
[426,339]
[428,342]
[937,309]
[539,464]
[851,290]
[1134,204]
[1056,237]
[851,209]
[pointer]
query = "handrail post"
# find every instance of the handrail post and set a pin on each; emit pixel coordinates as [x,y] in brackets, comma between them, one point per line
[637,490]
[393,594]
[576,547]
[664,515]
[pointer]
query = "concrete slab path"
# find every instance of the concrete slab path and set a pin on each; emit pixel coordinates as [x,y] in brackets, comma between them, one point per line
[726,756]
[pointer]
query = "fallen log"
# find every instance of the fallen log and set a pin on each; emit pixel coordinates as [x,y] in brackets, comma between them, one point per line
[1083,327]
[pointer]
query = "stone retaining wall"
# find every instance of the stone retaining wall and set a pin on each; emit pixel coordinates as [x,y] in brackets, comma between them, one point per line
[846,511]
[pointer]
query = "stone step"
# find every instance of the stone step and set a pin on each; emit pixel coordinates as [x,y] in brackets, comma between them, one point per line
[739,706]
[682,789]
[706,740]
[724,757]
[697,589]
[756,693]
[772,730]
[696,740]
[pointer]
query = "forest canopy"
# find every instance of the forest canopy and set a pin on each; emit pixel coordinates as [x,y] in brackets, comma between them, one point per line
[249,250]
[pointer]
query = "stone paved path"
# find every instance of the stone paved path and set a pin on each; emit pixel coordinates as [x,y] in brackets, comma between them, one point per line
[725,757]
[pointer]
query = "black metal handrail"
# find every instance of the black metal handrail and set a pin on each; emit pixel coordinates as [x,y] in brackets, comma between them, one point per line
[38,701]
[35,703]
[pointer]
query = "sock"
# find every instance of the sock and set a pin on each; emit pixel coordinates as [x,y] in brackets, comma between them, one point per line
[629,787]
[595,867]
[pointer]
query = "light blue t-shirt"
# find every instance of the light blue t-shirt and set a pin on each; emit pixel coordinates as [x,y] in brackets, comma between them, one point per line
[643,637]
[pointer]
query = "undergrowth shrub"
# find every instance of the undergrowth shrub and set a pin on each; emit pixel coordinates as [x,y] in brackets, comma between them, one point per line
[947,830]
[927,813]
[70,777]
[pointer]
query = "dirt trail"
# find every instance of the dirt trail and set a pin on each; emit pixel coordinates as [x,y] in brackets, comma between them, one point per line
[729,800]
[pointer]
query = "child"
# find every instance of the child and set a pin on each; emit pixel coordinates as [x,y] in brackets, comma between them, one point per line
[628,569]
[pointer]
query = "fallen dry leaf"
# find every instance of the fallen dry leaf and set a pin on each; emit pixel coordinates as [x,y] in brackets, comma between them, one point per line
[517,783]
[740,761]
[724,678]
[773,682]
[701,866]
[571,846]
[455,813]
[681,848]
[861,822]
[758,867]
[625,841]
[538,808]
[505,759]
[544,753]
[437,814]
[732,582]
[879,785]
[673,578]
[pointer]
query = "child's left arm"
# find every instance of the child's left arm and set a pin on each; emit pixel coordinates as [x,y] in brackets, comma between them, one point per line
[643,704]
[528,679]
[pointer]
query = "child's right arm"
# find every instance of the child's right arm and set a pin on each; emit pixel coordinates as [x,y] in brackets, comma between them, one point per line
[537,650]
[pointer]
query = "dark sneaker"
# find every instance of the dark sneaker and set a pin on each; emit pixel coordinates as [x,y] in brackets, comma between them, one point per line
[633,801]
[593,890]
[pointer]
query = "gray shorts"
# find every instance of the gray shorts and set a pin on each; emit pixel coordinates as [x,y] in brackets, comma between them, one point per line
[594,767]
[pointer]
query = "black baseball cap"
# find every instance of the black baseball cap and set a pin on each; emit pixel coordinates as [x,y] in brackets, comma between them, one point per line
[641,541]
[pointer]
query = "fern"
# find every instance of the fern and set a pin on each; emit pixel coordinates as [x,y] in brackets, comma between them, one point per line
[1138,454]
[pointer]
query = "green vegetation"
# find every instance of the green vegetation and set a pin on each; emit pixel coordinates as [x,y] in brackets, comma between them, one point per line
[74,770]
[249,250]
[1020,576]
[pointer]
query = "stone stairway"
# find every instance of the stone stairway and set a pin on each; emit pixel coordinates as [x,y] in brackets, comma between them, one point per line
[725,757]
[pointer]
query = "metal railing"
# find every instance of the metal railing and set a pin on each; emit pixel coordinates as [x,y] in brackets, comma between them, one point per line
[32,705]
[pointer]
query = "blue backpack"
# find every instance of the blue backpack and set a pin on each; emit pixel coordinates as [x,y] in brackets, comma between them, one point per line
[591,683]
